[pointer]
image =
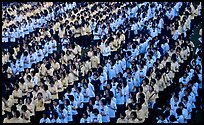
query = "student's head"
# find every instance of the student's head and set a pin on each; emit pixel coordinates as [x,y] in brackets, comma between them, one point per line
[24,108]
[55,102]
[179,111]
[95,111]
[71,98]
[172,118]
[17,114]
[133,115]
[44,114]
[36,88]
[130,106]
[55,115]
[85,114]
[122,115]
[66,102]
[20,101]
[61,107]
[181,105]
[9,115]
[39,95]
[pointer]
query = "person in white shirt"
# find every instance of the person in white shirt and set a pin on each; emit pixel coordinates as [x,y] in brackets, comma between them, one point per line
[104,111]
[45,119]
[180,117]
[86,94]
[53,44]
[85,118]
[62,113]
[55,118]
[5,36]
[39,54]
[74,106]
[119,99]
[96,117]
[131,83]
[111,71]
[26,59]
[111,109]
[106,51]
[68,107]
[162,119]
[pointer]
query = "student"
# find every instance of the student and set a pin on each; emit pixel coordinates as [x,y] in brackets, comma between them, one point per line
[62,113]
[17,118]
[133,118]
[85,118]
[17,93]
[122,118]
[45,119]
[74,107]
[55,118]
[30,108]
[103,110]
[96,117]
[162,119]
[69,110]
[8,118]
[25,114]
[39,107]
[180,117]
[119,99]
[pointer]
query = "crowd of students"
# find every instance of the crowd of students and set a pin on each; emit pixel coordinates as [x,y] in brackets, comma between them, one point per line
[101,62]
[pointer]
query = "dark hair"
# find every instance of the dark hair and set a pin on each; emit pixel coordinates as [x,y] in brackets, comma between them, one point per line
[24,108]
[134,114]
[17,114]
[179,111]
[95,111]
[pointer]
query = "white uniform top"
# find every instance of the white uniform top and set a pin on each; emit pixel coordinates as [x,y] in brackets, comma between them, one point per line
[86,92]
[112,72]
[56,120]
[12,36]
[111,110]
[105,110]
[106,51]
[43,120]
[83,120]
[64,112]
[97,118]
[74,104]
[5,36]
[119,99]
[80,98]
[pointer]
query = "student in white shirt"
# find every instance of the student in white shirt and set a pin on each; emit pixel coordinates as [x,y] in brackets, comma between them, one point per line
[162,119]
[104,111]
[180,117]
[111,109]
[96,117]
[39,54]
[85,118]
[68,107]
[86,94]
[55,118]
[119,99]
[62,113]
[74,106]
[26,60]
[111,71]
[106,51]
[5,36]
[45,119]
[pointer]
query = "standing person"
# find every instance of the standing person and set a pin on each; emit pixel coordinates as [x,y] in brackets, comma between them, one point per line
[5,38]
[39,107]
[111,109]
[25,114]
